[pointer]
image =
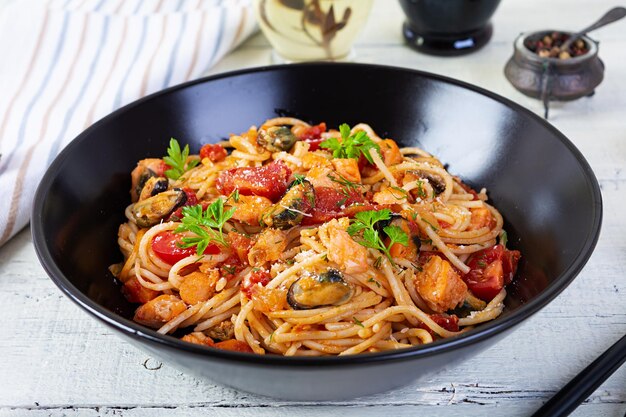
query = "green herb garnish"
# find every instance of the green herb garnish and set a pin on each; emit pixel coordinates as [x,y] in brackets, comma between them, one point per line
[234,195]
[504,238]
[430,224]
[206,225]
[402,191]
[420,189]
[364,224]
[348,188]
[298,179]
[357,322]
[351,146]
[177,160]
[373,281]
[230,269]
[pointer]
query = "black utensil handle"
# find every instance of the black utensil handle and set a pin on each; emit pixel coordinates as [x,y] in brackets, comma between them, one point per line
[585,383]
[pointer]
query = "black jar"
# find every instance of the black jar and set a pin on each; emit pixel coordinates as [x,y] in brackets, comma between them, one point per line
[448,27]
[553,78]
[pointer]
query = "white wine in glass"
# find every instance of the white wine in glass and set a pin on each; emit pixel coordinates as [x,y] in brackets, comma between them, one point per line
[312,30]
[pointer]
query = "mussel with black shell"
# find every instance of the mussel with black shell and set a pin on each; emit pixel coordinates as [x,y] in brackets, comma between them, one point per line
[151,211]
[276,138]
[314,290]
[297,203]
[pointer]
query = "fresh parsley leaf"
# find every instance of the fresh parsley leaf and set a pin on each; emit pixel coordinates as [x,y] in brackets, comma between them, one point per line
[177,160]
[351,146]
[298,179]
[206,225]
[364,223]
[396,235]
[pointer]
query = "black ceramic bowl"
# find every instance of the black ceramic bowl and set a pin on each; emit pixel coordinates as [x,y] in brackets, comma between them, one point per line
[535,176]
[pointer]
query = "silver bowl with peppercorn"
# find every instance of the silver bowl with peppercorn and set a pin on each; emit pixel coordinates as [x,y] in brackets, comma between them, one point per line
[540,69]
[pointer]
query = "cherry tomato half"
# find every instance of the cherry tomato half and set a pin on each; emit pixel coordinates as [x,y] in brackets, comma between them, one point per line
[214,152]
[166,246]
[490,270]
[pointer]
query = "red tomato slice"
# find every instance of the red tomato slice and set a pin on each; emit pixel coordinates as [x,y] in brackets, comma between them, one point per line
[255,277]
[449,322]
[490,270]
[312,132]
[331,203]
[214,152]
[269,181]
[165,246]
[314,144]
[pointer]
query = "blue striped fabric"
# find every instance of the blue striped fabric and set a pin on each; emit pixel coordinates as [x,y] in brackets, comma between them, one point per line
[54,149]
[8,156]
[55,81]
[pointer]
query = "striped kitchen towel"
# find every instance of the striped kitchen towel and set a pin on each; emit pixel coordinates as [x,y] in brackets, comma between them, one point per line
[66,63]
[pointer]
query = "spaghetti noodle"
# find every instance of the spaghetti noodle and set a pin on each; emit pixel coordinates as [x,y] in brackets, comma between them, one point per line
[294,240]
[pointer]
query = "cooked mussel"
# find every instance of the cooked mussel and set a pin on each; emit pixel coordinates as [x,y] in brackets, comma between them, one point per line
[319,290]
[435,181]
[145,169]
[152,210]
[154,185]
[276,138]
[292,207]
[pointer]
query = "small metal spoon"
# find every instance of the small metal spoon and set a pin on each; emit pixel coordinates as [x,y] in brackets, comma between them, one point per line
[611,16]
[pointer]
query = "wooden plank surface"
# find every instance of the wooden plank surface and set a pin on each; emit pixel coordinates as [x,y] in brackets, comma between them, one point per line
[55,360]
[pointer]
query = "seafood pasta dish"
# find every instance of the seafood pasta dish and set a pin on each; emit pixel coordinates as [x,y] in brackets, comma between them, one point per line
[305,240]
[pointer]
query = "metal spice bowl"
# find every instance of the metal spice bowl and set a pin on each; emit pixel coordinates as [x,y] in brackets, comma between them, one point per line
[553,78]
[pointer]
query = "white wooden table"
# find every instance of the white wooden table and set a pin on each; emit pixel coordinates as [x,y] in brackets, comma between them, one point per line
[56,360]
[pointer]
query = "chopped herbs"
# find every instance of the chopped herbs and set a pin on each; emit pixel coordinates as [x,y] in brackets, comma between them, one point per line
[234,195]
[430,224]
[298,179]
[177,160]
[402,191]
[357,322]
[420,189]
[229,269]
[504,238]
[205,225]
[373,281]
[378,262]
[363,225]
[350,146]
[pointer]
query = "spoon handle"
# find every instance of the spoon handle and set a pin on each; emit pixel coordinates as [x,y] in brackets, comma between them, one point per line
[611,16]
[585,383]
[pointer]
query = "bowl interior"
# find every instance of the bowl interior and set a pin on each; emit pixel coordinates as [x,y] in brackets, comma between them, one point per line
[534,176]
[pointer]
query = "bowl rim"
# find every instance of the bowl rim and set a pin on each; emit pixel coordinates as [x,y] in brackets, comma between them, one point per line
[483,332]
